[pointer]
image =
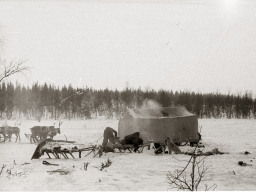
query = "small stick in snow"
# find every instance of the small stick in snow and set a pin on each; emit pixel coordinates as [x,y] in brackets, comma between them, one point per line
[85,166]
[47,163]
[25,163]
[60,171]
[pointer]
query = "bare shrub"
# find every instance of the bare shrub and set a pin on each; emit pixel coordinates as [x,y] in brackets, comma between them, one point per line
[8,69]
[106,164]
[182,180]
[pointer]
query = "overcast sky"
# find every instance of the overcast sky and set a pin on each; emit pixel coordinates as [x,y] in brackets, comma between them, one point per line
[195,45]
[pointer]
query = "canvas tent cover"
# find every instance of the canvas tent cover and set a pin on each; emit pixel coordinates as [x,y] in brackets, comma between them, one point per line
[156,124]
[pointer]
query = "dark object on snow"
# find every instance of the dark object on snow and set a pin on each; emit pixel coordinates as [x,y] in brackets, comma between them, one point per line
[165,114]
[133,139]
[196,142]
[241,163]
[109,135]
[47,163]
[108,149]
[246,153]
[60,171]
[158,148]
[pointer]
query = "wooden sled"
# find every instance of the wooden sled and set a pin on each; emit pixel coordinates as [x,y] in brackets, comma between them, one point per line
[62,148]
[57,153]
[130,148]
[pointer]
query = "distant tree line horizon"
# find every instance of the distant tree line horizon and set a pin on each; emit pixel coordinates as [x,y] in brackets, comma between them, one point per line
[52,102]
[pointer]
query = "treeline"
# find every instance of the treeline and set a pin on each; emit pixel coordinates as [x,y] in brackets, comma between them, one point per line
[51,102]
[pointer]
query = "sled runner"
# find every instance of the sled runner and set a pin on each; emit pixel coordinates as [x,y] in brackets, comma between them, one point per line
[131,148]
[57,153]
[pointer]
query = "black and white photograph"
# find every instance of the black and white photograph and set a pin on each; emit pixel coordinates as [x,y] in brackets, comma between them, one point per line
[127,95]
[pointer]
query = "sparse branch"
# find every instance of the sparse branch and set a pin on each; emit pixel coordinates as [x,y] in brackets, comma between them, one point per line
[212,188]
[201,160]
[191,183]
[177,181]
[192,175]
[3,166]
[189,161]
[8,69]
[107,164]
[200,175]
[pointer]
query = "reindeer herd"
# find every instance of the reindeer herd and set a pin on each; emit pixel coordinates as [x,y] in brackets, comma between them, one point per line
[38,133]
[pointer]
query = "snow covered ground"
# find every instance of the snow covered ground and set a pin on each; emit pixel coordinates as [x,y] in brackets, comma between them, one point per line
[129,171]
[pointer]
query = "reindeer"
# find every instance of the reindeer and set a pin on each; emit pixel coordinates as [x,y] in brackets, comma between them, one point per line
[13,130]
[7,132]
[54,131]
[42,132]
[3,132]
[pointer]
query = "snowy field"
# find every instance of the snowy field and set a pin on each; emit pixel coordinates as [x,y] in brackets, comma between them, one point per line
[129,171]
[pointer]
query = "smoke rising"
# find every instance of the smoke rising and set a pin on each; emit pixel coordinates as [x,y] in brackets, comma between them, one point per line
[149,103]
